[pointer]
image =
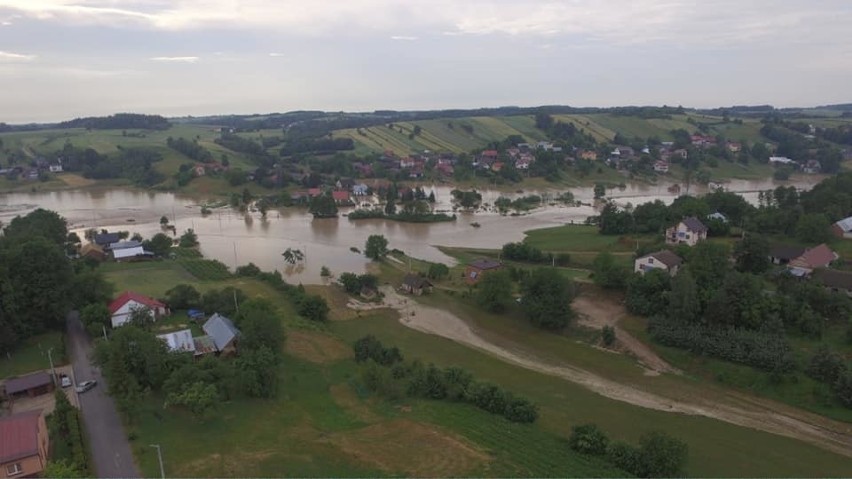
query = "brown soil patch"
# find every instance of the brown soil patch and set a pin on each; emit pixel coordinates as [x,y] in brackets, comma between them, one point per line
[316,347]
[596,311]
[412,449]
[75,181]
[345,397]
[337,300]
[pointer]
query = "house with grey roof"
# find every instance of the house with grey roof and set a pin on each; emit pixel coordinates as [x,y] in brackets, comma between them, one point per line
[179,341]
[843,228]
[689,232]
[223,333]
[663,260]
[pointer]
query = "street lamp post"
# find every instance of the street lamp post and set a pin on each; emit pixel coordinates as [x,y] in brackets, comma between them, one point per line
[52,368]
[160,457]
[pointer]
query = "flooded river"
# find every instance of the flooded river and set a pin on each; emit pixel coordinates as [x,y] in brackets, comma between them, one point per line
[237,239]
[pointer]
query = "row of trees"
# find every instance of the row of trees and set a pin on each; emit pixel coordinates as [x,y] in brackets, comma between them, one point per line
[387,373]
[658,454]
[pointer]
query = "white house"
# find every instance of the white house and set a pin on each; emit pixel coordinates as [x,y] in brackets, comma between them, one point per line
[843,228]
[689,232]
[780,160]
[661,166]
[123,307]
[664,260]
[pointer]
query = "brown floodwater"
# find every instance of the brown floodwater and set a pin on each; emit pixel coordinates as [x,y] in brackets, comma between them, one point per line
[235,238]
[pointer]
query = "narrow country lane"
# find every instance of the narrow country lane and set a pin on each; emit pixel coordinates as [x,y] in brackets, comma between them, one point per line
[110,449]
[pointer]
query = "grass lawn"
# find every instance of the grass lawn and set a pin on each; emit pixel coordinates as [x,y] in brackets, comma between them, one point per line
[32,355]
[716,448]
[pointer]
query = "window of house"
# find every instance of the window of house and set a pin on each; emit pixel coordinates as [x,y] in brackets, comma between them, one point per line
[650,260]
[14,469]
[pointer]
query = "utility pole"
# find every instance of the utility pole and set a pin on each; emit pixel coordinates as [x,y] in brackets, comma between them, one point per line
[235,256]
[236,305]
[160,457]
[52,369]
[105,335]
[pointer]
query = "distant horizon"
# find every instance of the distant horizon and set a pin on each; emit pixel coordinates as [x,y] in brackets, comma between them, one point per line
[404,110]
[74,58]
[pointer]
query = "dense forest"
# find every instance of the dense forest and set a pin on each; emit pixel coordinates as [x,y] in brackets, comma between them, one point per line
[119,121]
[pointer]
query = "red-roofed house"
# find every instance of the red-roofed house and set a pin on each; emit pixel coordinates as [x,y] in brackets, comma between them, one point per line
[818,257]
[123,307]
[490,154]
[23,444]
[341,197]
[314,192]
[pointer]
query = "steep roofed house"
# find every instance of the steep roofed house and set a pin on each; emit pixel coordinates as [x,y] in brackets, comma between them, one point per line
[223,333]
[23,444]
[105,239]
[341,197]
[664,260]
[784,253]
[689,232]
[93,251]
[179,341]
[123,307]
[818,257]
[474,271]
[415,284]
[843,228]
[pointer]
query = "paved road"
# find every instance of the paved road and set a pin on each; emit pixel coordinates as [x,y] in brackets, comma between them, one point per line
[111,451]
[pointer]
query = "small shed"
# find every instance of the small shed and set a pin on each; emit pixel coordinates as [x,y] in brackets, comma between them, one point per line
[31,385]
[473,271]
[223,332]
[416,285]
[93,251]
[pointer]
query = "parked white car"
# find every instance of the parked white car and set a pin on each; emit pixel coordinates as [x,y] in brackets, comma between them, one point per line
[85,386]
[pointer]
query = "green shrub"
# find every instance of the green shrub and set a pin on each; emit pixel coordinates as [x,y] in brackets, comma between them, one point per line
[588,439]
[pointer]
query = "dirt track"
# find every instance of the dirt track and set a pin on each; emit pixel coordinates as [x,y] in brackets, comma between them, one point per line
[734,408]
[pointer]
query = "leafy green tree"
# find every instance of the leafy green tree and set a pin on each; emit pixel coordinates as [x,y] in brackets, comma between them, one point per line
[350,282]
[661,455]
[61,469]
[44,223]
[547,297]
[608,273]
[708,263]
[494,292]
[164,220]
[600,190]
[588,439]
[183,296]
[813,228]
[370,348]
[90,286]
[189,239]
[683,301]
[752,254]
[293,256]
[438,271]
[200,398]
[223,301]
[259,371]
[608,335]
[738,302]
[159,244]
[376,247]
[390,208]
[323,206]
[647,293]
[826,366]
[313,307]
[95,316]
[260,325]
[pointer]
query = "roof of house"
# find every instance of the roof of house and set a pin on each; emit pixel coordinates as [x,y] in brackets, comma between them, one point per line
[717,216]
[106,238]
[340,195]
[347,182]
[221,329]
[484,264]
[89,248]
[666,257]
[128,252]
[125,244]
[845,224]
[19,436]
[817,257]
[694,224]
[179,341]
[834,278]
[126,296]
[416,281]
[24,383]
[785,251]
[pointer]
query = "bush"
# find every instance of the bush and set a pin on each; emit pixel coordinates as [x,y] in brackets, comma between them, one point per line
[369,347]
[625,457]
[249,270]
[521,410]
[608,335]
[588,439]
[826,366]
[661,456]
[183,296]
[313,307]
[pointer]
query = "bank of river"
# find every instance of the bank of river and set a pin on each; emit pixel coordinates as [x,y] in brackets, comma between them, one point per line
[236,239]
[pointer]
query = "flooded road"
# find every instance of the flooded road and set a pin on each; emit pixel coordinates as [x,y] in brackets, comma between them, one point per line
[236,239]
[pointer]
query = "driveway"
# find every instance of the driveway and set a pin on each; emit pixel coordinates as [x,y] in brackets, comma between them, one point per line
[108,443]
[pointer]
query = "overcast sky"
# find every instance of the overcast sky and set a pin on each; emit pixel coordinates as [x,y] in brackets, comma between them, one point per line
[61,59]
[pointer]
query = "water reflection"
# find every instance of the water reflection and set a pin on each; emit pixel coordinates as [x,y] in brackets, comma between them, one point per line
[236,238]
